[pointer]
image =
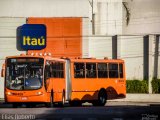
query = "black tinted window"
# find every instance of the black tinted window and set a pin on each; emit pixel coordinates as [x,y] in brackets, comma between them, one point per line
[47,73]
[121,70]
[102,70]
[79,70]
[113,70]
[57,70]
[91,70]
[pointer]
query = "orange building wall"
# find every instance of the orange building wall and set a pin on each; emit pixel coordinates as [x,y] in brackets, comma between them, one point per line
[64,36]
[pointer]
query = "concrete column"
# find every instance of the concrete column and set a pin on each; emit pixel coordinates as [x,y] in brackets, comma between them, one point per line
[155,72]
[148,60]
[114,47]
[152,47]
[158,67]
[146,57]
[119,52]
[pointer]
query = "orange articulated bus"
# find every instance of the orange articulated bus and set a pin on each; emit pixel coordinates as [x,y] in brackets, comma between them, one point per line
[32,79]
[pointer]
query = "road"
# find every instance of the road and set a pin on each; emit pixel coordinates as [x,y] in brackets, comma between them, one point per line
[112,111]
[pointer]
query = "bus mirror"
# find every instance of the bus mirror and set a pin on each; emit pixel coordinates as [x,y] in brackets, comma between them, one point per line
[3,70]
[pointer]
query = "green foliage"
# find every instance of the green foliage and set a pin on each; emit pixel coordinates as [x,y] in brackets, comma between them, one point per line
[156,85]
[137,86]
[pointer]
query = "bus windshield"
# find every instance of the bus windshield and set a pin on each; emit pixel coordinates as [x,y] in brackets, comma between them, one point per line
[24,73]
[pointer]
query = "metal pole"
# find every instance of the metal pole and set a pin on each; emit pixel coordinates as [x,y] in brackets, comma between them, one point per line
[93,16]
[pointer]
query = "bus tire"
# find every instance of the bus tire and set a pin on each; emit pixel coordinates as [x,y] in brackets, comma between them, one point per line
[62,103]
[102,97]
[50,104]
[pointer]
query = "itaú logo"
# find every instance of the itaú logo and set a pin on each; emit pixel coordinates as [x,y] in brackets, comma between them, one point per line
[33,41]
[33,36]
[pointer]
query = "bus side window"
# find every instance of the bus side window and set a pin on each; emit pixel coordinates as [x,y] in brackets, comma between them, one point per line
[57,70]
[91,70]
[79,70]
[113,70]
[102,70]
[121,70]
[47,72]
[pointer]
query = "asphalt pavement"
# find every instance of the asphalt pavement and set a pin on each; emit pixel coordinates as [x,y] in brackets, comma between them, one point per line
[111,111]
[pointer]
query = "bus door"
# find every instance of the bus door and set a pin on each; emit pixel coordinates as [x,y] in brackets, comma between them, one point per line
[55,78]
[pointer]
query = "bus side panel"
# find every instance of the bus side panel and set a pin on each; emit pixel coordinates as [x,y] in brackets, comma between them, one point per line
[85,96]
[121,87]
[121,84]
[58,86]
[87,88]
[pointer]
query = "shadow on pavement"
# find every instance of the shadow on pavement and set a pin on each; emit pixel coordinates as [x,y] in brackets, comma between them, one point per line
[129,112]
[89,112]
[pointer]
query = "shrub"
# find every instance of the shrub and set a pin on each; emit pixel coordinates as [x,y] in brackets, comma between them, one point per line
[156,85]
[137,86]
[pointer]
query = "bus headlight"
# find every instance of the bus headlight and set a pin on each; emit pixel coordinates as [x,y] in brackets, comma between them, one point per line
[39,93]
[9,93]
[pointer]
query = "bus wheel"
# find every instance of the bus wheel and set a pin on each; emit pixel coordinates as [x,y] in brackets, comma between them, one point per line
[50,104]
[51,101]
[61,104]
[102,98]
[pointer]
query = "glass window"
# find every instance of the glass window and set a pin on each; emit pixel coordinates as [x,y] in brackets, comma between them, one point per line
[102,70]
[121,70]
[91,70]
[24,73]
[47,73]
[113,70]
[57,70]
[79,70]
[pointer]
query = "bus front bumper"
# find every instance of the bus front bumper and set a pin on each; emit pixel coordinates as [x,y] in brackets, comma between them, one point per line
[23,99]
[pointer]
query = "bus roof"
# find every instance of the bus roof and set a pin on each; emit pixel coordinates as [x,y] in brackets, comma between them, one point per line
[96,60]
[71,59]
[35,56]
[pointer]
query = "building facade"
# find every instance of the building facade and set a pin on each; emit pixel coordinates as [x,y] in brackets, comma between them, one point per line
[125,29]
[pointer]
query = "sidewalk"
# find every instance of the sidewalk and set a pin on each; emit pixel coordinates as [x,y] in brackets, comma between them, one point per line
[140,98]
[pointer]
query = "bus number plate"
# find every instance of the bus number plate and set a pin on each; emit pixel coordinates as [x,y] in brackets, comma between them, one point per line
[24,98]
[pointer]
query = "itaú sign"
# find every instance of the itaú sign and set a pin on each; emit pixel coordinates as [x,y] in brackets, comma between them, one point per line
[32,36]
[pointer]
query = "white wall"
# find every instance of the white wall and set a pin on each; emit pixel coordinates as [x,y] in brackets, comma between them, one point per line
[108,17]
[44,8]
[144,17]
[8,28]
[100,46]
[111,17]
[130,49]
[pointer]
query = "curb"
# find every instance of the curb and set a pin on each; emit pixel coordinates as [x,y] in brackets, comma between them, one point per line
[139,98]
